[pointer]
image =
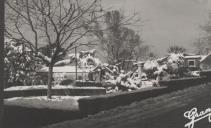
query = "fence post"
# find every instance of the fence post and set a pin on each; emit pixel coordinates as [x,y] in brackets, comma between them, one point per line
[76,64]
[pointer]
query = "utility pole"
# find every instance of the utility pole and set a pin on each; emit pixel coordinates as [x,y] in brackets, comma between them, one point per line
[76,64]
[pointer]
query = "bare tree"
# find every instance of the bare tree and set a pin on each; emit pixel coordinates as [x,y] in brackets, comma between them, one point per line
[203,44]
[176,49]
[116,38]
[57,23]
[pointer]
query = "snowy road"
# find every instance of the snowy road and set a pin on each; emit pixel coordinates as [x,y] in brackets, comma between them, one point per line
[165,111]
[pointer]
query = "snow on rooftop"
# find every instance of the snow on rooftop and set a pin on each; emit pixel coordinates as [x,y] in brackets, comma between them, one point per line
[41,102]
[192,56]
[63,62]
[204,57]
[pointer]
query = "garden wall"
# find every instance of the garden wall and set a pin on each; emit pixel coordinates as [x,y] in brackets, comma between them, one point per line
[184,82]
[59,92]
[95,104]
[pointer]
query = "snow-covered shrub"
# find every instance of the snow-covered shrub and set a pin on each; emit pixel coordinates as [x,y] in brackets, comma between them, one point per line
[89,62]
[85,59]
[175,64]
[176,58]
[20,64]
[171,67]
[66,82]
[150,67]
[195,73]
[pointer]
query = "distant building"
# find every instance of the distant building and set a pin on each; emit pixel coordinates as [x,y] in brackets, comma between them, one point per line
[202,62]
[192,61]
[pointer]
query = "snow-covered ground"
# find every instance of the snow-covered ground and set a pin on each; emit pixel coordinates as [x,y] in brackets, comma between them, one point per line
[41,102]
[44,87]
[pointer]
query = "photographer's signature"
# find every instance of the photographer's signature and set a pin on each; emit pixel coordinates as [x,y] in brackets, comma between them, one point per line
[193,115]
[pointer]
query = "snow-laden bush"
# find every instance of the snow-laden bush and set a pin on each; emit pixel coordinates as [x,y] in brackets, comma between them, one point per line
[85,59]
[175,64]
[176,58]
[114,80]
[150,67]
[20,64]
[89,62]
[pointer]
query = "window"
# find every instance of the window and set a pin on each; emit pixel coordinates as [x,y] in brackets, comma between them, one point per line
[191,63]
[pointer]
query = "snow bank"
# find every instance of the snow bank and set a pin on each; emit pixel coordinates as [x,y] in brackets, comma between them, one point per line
[44,87]
[26,87]
[57,102]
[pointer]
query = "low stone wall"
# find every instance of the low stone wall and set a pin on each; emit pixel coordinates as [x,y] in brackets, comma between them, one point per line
[59,92]
[95,104]
[183,83]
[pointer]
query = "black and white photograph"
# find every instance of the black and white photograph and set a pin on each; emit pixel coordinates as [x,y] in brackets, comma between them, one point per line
[105,64]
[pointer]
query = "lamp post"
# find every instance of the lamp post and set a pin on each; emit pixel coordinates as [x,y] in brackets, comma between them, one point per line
[76,64]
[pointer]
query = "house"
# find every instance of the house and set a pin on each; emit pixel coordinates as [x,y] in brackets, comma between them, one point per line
[202,62]
[192,61]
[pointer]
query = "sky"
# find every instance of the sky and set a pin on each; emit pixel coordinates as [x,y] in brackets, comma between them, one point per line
[166,22]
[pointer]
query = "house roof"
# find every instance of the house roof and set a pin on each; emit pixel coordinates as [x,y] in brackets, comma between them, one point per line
[192,56]
[204,57]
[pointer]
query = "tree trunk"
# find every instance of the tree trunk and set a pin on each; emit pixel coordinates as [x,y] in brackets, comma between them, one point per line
[50,78]
[1,91]
[2,63]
